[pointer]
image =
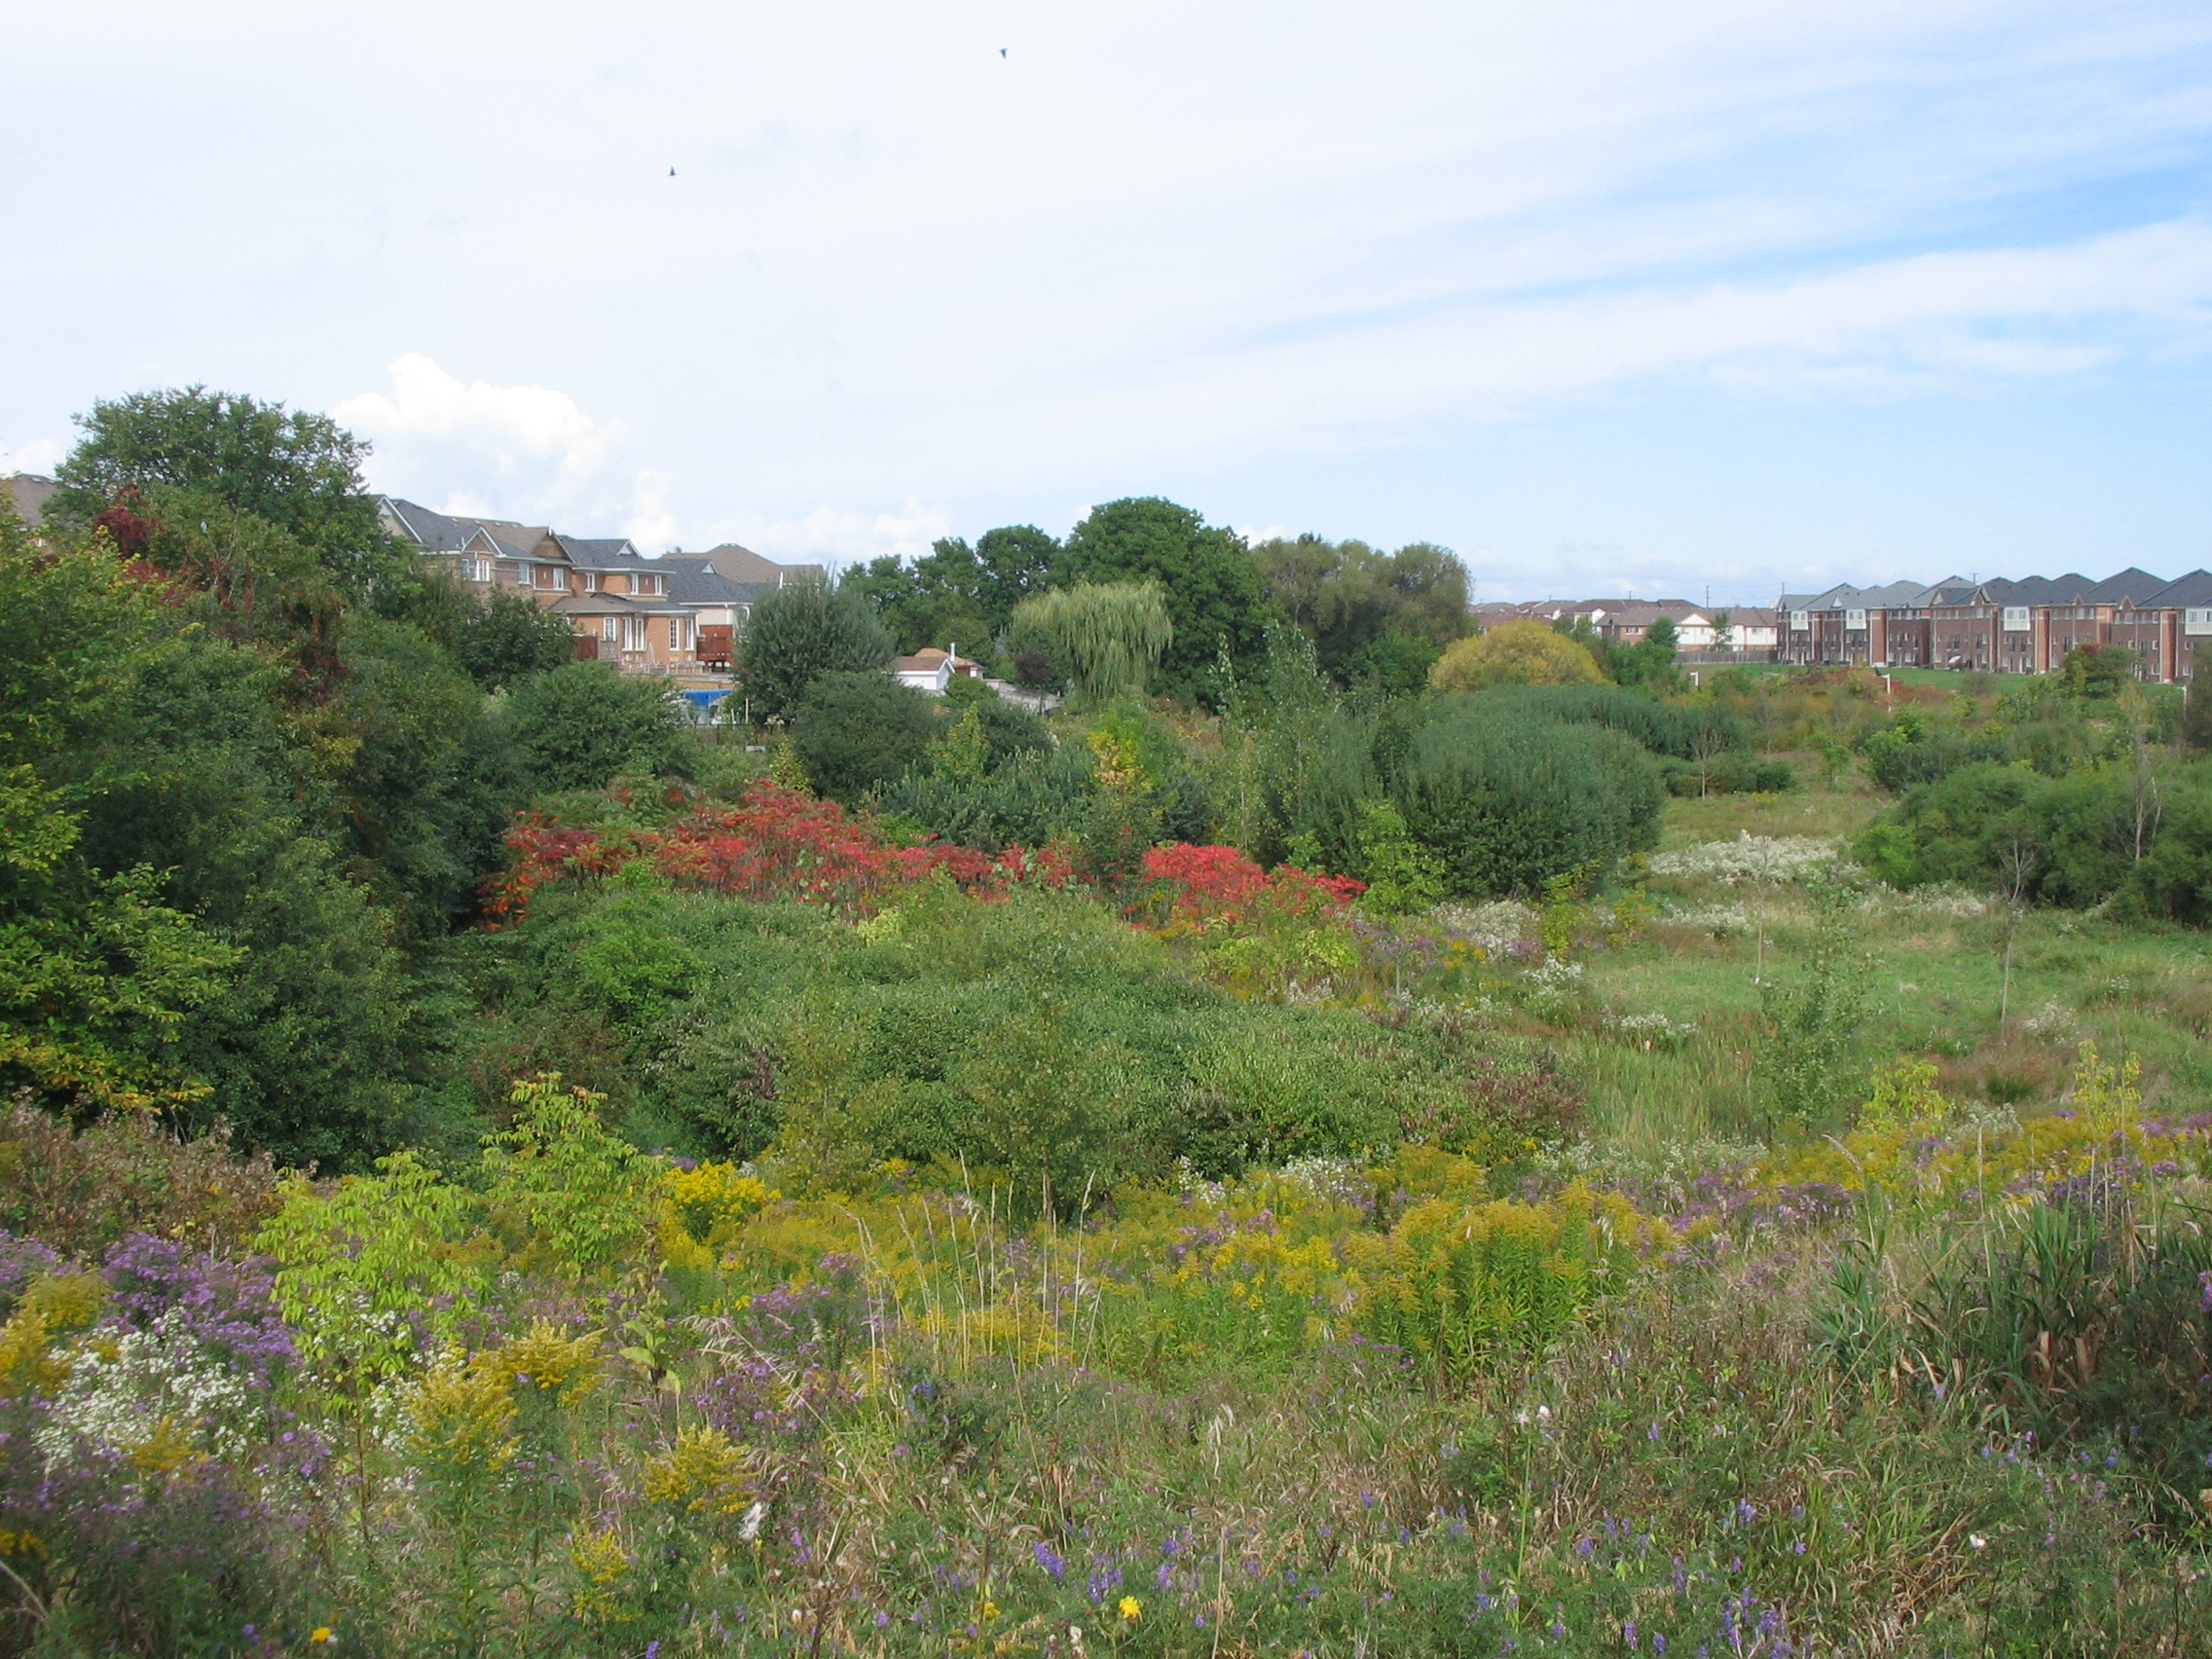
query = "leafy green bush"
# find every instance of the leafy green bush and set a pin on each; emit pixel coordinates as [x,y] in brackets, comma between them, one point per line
[2053,840]
[1682,730]
[801,630]
[581,725]
[858,731]
[1508,804]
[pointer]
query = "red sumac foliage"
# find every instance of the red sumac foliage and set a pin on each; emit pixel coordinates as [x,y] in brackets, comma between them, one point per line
[775,843]
[1197,886]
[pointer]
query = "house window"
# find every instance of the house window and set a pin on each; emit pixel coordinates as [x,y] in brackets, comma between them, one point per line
[610,627]
[476,570]
[676,632]
[633,633]
[544,576]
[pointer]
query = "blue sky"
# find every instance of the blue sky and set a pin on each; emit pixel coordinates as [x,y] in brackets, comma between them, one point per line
[1606,296]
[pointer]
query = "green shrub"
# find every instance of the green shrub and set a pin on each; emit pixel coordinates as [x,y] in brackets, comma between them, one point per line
[2053,840]
[1663,728]
[580,725]
[1508,804]
[857,732]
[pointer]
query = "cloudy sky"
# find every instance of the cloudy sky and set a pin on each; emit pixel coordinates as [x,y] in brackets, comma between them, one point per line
[1606,295]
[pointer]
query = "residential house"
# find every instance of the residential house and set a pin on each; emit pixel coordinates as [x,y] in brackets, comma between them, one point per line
[723,606]
[1749,631]
[623,606]
[932,670]
[2169,628]
[1628,624]
[1794,627]
[28,492]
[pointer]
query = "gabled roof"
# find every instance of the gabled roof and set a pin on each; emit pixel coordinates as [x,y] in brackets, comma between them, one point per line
[695,580]
[743,565]
[447,533]
[28,492]
[2027,590]
[483,539]
[600,553]
[1954,591]
[2130,587]
[2183,593]
[1892,595]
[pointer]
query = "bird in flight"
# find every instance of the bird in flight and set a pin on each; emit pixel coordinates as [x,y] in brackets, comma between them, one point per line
[671,173]
[1002,52]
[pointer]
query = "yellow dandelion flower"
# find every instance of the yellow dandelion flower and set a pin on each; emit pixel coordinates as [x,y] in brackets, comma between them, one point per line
[1129,1607]
[324,1634]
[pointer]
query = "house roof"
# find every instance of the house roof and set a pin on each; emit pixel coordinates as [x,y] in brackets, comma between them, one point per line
[743,565]
[2129,587]
[2183,592]
[1890,595]
[615,604]
[1644,615]
[696,579]
[447,533]
[929,659]
[28,492]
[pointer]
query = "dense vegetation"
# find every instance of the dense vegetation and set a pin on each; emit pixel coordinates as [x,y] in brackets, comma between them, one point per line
[1327,1143]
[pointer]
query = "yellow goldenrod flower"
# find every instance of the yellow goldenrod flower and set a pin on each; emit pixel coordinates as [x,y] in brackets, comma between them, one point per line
[1130,1606]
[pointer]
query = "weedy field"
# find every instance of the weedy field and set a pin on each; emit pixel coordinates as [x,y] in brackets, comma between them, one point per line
[1747,1260]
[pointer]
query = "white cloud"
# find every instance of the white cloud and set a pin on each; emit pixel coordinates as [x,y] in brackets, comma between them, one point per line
[829,536]
[532,454]
[1154,242]
[530,443]
[39,454]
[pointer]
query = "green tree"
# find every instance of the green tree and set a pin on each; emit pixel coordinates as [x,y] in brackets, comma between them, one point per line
[296,470]
[1106,638]
[1367,612]
[577,726]
[1216,600]
[801,630]
[858,732]
[507,638]
[1397,664]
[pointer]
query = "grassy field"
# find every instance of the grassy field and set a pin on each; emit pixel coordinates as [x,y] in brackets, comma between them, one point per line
[1932,977]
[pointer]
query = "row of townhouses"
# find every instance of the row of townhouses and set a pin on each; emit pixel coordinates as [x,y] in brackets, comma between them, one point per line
[1998,625]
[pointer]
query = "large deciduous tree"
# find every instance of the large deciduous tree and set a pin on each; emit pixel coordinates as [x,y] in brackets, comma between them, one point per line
[1215,598]
[802,630]
[296,470]
[1105,637]
[1349,598]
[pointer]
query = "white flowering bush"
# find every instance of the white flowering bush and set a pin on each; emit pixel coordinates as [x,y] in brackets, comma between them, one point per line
[1652,1030]
[1722,921]
[1775,859]
[128,1390]
[1493,927]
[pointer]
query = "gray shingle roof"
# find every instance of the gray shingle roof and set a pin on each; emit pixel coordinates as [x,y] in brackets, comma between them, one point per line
[2130,587]
[2183,593]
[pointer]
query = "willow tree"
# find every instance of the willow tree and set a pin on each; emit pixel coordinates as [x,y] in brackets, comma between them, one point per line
[1106,637]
